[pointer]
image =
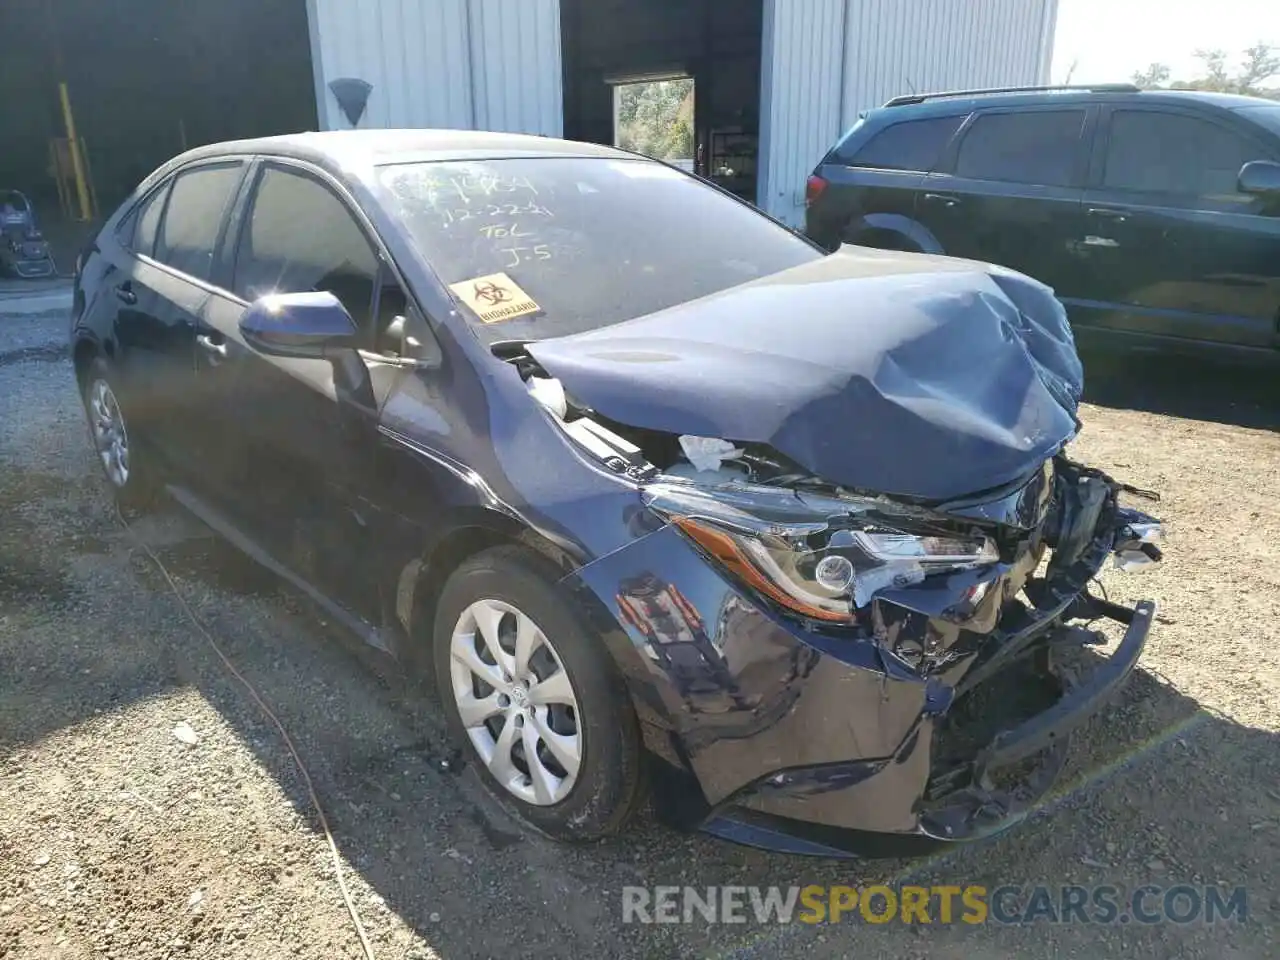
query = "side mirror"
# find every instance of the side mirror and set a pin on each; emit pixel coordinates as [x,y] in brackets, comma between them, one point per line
[1260,177]
[304,325]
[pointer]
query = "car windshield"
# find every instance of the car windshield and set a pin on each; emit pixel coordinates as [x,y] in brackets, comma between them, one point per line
[543,247]
[1268,116]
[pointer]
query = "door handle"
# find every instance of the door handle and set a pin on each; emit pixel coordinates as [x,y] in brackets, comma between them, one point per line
[125,295]
[1106,213]
[943,199]
[217,351]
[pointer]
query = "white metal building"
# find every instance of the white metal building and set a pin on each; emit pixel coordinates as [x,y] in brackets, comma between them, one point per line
[516,65]
[773,81]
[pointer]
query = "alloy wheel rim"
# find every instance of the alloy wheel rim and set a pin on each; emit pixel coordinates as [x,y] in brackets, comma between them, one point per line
[516,702]
[109,435]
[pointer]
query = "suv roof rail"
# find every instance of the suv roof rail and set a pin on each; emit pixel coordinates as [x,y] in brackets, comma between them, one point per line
[1093,88]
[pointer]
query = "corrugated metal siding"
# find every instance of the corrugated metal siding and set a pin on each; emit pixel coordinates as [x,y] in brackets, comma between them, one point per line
[515,51]
[799,96]
[482,64]
[827,60]
[897,46]
[411,51]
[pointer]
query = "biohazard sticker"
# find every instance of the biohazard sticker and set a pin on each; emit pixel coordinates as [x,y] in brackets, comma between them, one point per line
[495,298]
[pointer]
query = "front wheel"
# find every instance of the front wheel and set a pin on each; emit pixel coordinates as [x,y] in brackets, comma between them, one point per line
[125,466]
[536,698]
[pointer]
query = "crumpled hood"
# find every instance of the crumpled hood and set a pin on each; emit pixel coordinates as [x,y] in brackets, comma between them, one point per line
[904,374]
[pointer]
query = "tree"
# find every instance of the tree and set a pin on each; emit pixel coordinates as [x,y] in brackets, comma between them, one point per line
[1156,75]
[1261,64]
[655,118]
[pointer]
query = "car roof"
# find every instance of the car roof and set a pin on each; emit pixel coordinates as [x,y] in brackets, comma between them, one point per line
[358,148]
[951,105]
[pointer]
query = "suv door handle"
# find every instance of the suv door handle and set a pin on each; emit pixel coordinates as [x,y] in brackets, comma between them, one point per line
[1108,213]
[125,295]
[217,351]
[944,199]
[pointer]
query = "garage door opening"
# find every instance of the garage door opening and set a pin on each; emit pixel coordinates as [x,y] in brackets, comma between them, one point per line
[673,79]
[146,79]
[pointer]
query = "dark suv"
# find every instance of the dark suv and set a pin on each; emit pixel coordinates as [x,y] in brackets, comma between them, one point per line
[1154,215]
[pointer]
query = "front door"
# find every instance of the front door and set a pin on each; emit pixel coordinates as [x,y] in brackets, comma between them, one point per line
[1170,246]
[295,438]
[1009,191]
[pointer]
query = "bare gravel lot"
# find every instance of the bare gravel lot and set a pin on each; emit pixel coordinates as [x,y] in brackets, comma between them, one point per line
[120,839]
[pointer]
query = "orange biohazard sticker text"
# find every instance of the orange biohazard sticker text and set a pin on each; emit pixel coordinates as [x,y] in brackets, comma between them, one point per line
[495,298]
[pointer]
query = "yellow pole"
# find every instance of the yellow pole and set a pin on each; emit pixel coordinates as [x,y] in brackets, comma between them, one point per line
[77,162]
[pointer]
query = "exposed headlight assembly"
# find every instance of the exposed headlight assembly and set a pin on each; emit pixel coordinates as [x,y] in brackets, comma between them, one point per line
[823,557]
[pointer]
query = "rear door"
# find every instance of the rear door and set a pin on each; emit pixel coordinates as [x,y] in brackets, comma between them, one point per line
[156,354]
[296,437]
[161,295]
[872,184]
[1170,247]
[1009,190]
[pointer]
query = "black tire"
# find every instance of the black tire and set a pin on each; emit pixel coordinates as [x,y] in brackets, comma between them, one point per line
[608,788]
[141,483]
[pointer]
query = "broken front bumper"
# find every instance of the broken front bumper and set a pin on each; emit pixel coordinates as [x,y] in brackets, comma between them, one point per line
[979,764]
[774,735]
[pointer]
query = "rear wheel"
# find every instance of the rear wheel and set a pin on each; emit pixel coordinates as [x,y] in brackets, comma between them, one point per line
[535,698]
[125,466]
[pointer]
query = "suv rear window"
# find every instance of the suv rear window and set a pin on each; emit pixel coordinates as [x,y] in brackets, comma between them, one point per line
[1037,147]
[907,145]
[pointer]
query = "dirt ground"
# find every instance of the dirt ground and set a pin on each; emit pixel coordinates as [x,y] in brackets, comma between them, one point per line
[118,839]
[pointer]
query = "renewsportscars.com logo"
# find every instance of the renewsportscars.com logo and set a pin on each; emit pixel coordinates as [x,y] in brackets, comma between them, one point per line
[941,904]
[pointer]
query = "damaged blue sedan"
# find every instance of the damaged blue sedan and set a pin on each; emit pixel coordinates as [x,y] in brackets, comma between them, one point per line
[662,499]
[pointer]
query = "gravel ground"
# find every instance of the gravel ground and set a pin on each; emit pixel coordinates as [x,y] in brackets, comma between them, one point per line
[119,839]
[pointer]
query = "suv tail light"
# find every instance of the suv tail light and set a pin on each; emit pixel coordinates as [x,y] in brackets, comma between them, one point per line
[813,189]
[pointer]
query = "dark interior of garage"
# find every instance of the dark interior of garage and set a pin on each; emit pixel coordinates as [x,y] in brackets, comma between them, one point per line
[605,43]
[145,80]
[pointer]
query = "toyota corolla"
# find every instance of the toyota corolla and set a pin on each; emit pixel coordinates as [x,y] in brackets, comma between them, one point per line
[660,497]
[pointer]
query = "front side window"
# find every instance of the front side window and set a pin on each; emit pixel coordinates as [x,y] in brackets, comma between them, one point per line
[910,145]
[1267,115]
[301,237]
[193,218]
[1038,147]
[549,246]
[1155,152]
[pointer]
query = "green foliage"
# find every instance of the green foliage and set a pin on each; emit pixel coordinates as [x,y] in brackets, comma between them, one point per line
[1260,65]
[656,118]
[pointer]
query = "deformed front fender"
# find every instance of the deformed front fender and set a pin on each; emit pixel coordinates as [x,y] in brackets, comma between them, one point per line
[743,692]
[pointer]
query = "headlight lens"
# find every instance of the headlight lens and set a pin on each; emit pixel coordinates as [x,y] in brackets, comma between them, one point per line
[820,556]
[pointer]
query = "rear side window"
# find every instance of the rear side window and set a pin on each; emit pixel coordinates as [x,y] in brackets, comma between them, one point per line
[909,145]
[1157,152]
[193,218]
[141,239]
[1037,147]
[148,219]
[301,237]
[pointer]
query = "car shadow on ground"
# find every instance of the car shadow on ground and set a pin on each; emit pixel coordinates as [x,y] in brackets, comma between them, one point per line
[1212,390]
[458,870]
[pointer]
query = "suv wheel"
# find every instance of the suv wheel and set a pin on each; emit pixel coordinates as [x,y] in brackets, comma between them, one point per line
[535,698]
